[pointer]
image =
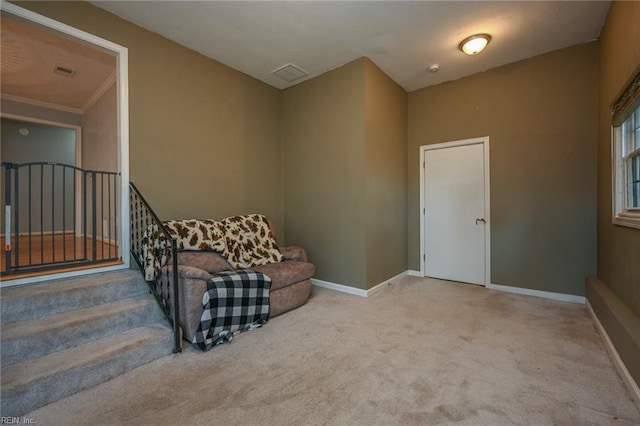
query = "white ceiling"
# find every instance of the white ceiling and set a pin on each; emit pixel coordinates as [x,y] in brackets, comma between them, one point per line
[29,55]
[401,37]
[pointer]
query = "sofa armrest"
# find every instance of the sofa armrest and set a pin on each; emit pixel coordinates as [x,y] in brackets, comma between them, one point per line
[294,253]
[192,283]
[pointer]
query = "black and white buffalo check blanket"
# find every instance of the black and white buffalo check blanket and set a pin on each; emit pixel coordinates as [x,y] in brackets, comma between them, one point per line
[235,301]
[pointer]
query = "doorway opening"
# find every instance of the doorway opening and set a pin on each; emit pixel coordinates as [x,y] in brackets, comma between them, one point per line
[72,81]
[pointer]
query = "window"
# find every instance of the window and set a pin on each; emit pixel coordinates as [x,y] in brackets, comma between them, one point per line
[626,170]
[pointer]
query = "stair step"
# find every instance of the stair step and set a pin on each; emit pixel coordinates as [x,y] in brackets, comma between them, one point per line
[35,383]
[37,300]
[40,336]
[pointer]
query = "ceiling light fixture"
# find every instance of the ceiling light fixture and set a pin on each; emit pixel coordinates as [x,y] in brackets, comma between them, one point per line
[474,44]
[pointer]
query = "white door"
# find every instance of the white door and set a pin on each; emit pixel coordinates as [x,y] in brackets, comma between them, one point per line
[454,208]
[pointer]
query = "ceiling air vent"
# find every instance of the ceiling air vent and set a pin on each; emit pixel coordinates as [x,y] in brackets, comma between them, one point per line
[290,72]
[64,71]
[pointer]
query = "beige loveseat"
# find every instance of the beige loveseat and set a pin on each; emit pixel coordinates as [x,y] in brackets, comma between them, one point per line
[290,282]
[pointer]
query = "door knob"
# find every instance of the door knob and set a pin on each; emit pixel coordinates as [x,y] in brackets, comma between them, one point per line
[481,219]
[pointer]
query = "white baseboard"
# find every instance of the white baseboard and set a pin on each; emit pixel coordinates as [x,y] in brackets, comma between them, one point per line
[617,361]
[378,288]
[339,287]
[571,298]
[508,289]
[357,291]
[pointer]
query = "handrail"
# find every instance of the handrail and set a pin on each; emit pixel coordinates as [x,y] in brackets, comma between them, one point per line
[53,163]
[164,288]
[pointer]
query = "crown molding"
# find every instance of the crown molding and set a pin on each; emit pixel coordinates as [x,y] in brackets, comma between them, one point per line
[106,85]
[41,104]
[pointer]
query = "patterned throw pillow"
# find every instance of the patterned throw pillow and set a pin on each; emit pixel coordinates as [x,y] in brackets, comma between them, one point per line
[249,241]
[197,234]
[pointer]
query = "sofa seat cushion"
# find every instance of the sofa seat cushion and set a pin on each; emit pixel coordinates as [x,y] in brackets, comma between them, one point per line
[284,274]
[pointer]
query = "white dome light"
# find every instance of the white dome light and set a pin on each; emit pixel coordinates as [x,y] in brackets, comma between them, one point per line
[474,44]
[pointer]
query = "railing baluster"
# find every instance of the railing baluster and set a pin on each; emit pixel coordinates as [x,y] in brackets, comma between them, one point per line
[102,214]
[176,306]
[41,214]
[75,214]
[16,219]
[7,215]
[109,214]
[94,215]
[115,216]
[53,213]
[30,225]
[84,216]
[64,216]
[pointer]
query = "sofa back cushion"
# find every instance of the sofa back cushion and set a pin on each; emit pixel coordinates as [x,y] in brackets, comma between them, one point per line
[210,261]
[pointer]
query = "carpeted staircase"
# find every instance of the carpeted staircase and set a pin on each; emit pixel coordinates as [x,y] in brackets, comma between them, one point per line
[60,337]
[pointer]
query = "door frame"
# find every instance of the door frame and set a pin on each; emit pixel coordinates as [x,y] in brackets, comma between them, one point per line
[122,85]
[484,141]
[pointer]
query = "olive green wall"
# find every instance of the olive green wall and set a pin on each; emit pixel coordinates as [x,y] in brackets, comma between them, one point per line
[615,294]
[618,246]
[540,116]
[386,176]
[204,139]
[323,135]
[344,136]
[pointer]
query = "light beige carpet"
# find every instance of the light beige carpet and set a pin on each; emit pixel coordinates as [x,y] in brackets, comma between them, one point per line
[421,352]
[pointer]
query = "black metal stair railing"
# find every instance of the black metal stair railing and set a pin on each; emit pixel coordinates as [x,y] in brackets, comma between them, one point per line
[145,226]
[58,216]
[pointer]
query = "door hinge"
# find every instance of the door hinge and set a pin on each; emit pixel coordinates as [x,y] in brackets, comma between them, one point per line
[423,164]
[424,257]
